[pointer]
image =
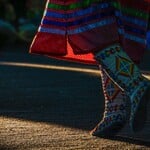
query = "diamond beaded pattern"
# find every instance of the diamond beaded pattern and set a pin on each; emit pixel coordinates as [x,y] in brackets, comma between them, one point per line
[115,105]
[125,73]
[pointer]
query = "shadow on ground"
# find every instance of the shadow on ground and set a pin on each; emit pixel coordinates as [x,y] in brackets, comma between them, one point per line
[67,98]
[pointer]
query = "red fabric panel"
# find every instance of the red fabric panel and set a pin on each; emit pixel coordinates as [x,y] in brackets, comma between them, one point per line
[94,40]
[45,43]
[80,58]
[134,50]
[54,46]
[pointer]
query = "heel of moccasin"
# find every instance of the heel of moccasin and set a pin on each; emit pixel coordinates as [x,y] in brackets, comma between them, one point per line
[109,131]
[138,120]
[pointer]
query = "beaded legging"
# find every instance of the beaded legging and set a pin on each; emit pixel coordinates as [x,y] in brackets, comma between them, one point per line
[115,105]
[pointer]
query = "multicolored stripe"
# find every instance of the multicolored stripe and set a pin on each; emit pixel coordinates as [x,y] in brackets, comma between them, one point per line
[78,13]
[132,22]
[73,19]
[131,11]
[132,37]
[148,40]
[77,21]
[73,5]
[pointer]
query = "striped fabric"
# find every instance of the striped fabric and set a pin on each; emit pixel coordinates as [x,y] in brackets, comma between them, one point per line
[133,19]
[76,21]
[148,35]
[89,26]
[148,40]
[70,22]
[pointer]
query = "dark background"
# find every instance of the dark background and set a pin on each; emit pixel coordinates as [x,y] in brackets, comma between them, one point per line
[19,20]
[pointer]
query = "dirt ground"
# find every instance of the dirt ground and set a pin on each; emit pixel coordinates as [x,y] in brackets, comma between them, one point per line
[46,104]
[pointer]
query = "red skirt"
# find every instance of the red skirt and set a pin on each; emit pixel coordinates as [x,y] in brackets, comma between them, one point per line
[74,30]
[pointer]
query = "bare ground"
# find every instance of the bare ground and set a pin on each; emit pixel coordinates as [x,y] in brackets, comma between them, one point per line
[46,105]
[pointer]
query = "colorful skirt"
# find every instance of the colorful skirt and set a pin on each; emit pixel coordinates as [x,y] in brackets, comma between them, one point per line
[75,29]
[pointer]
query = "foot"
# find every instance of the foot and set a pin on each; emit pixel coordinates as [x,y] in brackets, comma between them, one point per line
[109,126]
[138,114]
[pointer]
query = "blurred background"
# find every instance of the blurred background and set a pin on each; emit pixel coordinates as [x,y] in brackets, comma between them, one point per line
[19,20]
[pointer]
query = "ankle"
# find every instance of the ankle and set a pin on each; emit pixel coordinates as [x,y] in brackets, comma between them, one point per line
[140,89]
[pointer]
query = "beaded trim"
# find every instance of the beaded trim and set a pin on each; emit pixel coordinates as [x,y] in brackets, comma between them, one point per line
[133,83]
[127,82]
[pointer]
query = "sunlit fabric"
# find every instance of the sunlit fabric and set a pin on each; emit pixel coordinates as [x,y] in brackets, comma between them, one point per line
[75,29]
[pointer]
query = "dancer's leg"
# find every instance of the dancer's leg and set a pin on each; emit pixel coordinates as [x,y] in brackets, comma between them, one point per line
[114,116]
[125,74]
